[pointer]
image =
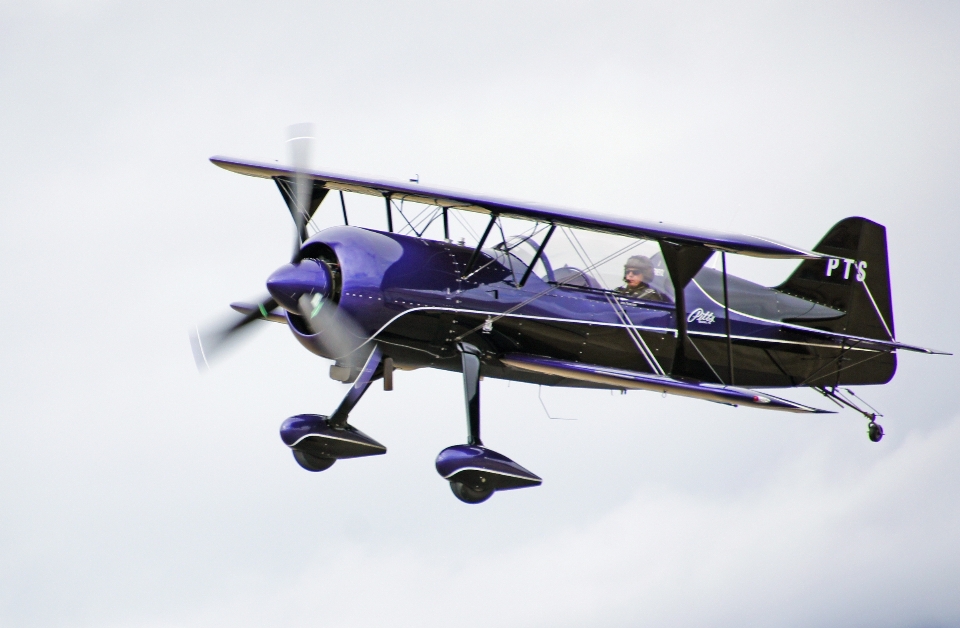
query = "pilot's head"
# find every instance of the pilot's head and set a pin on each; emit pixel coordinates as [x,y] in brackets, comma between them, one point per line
[637,270]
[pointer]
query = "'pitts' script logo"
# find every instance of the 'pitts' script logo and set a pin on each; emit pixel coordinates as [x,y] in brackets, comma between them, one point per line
[833,264]
[701,316]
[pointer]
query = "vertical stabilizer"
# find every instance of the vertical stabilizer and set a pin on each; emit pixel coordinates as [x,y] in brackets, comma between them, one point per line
[854,279]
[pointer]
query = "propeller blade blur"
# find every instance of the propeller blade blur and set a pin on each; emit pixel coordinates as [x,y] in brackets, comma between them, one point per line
[300,146]
[335,329]
[209,343]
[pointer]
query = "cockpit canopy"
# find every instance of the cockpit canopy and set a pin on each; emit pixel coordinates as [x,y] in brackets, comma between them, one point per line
[745,297]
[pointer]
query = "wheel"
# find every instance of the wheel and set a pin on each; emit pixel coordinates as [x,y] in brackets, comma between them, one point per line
[469,494]
[874,431]
[311,462]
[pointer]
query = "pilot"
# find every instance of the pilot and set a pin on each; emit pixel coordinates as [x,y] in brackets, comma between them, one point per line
[636,273]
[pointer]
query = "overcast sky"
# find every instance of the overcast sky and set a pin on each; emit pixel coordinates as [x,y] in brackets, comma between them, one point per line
[136,492]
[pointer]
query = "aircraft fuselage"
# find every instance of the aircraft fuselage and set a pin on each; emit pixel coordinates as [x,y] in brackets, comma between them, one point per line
[411,296]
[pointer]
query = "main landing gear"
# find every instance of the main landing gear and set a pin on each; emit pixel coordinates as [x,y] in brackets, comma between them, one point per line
[841,398]
[475,472]
[318,441]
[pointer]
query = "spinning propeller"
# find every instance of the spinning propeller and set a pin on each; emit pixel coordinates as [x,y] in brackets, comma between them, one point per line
[303,287]
[299,146]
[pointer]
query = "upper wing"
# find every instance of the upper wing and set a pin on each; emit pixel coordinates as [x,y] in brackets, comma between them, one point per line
[685,236]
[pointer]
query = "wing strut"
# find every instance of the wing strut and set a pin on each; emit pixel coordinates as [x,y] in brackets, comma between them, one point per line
[289,193]
[726,318]
[536,257]
[476,251]
[389,212]
[683,262]
[343,206]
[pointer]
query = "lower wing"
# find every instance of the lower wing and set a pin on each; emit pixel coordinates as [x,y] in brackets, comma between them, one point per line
[620,378]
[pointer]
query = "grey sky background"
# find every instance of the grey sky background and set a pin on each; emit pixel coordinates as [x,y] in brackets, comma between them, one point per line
[135,492]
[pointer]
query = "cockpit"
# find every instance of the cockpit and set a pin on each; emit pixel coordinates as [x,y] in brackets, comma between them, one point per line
[577,267]
[582,262]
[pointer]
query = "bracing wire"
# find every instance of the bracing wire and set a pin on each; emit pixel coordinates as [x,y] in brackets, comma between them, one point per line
[465,225]
[617,307]
[547,290]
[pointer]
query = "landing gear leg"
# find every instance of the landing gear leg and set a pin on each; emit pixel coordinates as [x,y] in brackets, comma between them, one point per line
[366,377]
[470,357]
[318,441]
[475,472]
[839,397]
[472,488]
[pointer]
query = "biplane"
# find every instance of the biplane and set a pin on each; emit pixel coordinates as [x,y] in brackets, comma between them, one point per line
[542,306]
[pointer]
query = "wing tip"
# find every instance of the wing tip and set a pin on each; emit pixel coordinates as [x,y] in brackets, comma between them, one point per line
[249,168]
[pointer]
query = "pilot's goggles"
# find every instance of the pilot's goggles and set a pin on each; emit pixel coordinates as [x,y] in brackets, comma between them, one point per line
[632,271]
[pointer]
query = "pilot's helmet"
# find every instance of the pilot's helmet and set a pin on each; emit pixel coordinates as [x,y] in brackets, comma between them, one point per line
[640,264]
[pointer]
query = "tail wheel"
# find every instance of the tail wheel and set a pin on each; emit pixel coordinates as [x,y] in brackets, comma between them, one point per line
[469,494]
[311,462]
[875,432]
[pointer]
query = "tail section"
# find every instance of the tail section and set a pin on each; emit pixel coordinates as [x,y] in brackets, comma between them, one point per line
[854,278]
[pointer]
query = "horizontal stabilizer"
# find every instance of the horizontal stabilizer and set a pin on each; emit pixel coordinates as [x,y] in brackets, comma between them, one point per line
[869,344]
[900,346]
[620,378]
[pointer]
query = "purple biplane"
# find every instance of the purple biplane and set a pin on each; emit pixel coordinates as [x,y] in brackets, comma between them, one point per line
[545,307]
